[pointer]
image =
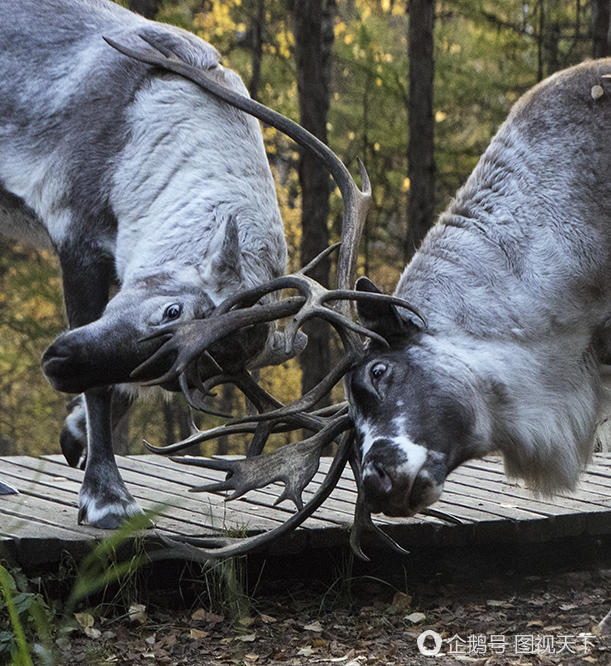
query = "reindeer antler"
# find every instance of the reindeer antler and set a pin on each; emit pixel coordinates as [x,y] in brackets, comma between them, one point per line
[296,463]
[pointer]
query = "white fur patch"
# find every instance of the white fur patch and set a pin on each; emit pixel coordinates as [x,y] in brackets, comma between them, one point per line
[96,511]
[76,422]
[415,454]
[367,434]
[198,163]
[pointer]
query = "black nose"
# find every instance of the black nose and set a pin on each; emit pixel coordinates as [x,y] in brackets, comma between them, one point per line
[377,481]
[378,470]
[56,356]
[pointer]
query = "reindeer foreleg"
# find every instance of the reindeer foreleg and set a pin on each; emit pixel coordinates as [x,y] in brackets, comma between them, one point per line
[104,500]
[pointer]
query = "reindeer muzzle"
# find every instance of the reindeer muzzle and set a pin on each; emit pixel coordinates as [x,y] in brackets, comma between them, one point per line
[400,480]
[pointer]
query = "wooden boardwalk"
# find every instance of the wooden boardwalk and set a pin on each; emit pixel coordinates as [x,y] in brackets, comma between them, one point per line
[40,522]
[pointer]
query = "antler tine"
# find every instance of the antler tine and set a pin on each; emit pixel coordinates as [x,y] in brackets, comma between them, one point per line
[318,258]
[307,401]
[356,207]
[294,464]
[362,523]
[200,436]
[362,519]
[280,419]
[184,380]
[287,425]
[198,549]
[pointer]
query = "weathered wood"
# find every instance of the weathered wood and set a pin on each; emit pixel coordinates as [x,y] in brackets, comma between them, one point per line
[40,522]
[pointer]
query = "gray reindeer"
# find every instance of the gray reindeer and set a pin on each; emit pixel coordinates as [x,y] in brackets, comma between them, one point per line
[135,178]
[514,282]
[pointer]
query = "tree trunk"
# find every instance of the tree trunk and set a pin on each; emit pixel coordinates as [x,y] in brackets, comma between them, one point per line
[257,48]
[601,28]
[540,39]
[313,27]
[420,150]
[148,8]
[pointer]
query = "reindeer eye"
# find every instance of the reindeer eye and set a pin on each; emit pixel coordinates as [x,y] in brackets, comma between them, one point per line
[378,370]
[172,311]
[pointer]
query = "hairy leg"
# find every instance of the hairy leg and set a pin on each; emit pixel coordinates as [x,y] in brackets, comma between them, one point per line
[104,500]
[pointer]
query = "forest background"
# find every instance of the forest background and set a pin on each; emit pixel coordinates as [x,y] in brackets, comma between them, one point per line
[415,89]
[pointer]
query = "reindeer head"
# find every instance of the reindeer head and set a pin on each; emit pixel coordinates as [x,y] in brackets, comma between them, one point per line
[414,408]
[109,350]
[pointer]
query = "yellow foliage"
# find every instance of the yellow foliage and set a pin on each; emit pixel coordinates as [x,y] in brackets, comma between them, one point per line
[217,21]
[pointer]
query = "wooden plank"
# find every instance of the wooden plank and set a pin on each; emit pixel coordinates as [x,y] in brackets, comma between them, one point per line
[42,519]
[460,486]
[257,506]
[264,497]
[47,513]
[501,491]
[347,498]
[337,509]
[57,509]
[458,499]
[493,471]
[172,495]
[594,473]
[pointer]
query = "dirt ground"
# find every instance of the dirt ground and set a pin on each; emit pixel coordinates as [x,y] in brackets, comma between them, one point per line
[527,620]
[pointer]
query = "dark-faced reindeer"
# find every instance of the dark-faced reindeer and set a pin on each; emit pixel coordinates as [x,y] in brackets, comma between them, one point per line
[514,282]
[135,177]
[497,338]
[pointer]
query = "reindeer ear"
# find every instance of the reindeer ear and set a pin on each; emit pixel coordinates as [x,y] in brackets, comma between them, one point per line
[386,319]
[229,261]
[223,269]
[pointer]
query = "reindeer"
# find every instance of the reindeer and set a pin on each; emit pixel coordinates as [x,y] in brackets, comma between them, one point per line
[498,335]
[514,282]
[135,179]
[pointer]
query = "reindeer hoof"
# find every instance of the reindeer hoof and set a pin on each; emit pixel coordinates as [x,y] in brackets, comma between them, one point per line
[108,513]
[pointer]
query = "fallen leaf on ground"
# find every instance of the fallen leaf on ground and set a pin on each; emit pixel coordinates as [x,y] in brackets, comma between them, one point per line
[267,619]
[201,615]
[84,619]
[196,634]
[137,613]
[92,632]
[401,600]
[314,626]
[414,618]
